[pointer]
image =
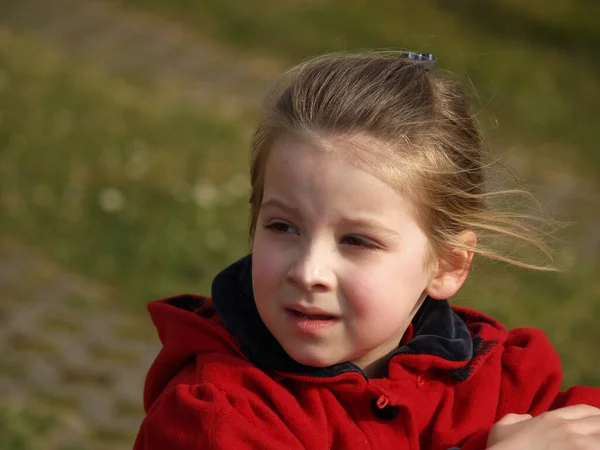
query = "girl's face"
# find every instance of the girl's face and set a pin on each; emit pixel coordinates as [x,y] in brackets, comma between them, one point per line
[338,266]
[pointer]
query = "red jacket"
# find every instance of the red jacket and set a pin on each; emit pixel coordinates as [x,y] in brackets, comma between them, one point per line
[222,381]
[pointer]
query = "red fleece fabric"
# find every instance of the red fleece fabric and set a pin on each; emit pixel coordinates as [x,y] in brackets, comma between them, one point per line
[203,393]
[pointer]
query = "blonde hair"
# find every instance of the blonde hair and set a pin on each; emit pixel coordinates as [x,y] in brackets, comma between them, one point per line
[411,127]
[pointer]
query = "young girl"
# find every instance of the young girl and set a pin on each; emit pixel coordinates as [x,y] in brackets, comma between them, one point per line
[367,202]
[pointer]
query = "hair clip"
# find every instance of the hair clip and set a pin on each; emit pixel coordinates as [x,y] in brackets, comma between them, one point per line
[427,60]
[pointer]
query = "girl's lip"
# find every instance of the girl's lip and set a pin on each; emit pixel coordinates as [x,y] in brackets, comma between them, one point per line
[312,312]
[310,324]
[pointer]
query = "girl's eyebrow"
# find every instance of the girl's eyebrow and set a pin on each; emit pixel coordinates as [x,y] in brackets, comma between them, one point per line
[276,203]
[372,225]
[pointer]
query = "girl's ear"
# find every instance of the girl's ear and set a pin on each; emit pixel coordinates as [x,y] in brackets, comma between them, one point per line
[452,270]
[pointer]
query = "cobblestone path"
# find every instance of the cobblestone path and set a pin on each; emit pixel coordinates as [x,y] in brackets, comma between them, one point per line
[67,353]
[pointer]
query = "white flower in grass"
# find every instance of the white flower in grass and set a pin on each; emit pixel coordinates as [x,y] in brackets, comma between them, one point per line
[137,164]
[205,193]
[238,186]
[111,200]
[215,239]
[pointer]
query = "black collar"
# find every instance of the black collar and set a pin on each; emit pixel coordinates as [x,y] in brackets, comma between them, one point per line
[438,331]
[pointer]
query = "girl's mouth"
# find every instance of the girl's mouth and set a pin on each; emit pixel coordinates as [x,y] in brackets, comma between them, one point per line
[310,324]
[311,316]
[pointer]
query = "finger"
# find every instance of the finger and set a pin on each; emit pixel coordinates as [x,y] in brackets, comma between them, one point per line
[511,419]
[573,412]
[585,426]
[591,442]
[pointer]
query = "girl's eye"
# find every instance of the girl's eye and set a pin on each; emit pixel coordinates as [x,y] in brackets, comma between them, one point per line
[356,241]
[280,227]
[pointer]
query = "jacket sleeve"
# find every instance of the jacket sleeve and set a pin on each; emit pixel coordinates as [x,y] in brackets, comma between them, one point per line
[532,377]
[530,382]
[202,416]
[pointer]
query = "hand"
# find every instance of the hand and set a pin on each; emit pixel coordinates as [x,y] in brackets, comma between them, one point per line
[571,428]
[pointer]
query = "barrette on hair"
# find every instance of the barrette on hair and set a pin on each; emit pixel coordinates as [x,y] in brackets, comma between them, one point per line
[427,60]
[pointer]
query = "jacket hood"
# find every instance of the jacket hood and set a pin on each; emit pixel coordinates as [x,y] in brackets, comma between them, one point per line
[456,340]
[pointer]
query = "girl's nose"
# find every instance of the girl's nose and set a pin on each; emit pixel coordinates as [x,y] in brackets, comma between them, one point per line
[312,269]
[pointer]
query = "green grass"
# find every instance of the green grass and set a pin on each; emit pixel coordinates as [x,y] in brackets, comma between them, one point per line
[114,180]
[121,184]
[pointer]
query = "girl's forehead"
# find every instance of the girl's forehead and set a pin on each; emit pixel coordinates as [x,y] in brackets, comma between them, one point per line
[303,171]
[383,160]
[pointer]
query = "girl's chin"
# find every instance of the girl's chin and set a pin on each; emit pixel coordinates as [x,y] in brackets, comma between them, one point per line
[313,360]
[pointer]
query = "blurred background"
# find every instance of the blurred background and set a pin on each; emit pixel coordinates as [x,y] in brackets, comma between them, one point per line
[124,137]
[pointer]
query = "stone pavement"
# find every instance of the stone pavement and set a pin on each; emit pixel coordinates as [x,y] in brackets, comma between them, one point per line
[68,353]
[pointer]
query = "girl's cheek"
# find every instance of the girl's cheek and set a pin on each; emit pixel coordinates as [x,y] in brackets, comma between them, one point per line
[359,287]
[266,258]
